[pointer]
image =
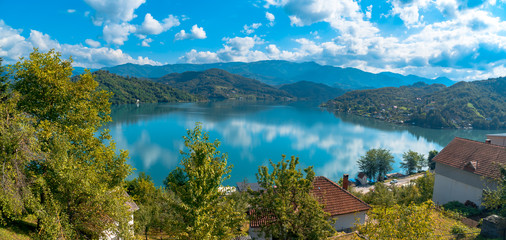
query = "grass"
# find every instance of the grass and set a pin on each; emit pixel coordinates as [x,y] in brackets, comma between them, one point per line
[19,230]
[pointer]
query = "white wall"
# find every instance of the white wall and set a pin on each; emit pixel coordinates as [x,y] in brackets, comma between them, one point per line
[347,221]
[447,190]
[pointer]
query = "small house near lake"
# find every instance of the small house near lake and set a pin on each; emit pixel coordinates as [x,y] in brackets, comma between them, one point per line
[342,206]
[465,168]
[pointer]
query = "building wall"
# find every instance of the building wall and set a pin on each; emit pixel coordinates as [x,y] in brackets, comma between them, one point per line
[497,140]
[343,222]
[347,221]
[452,184]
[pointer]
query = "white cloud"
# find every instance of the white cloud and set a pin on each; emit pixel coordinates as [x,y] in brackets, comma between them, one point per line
[92,43]
[270,17]
[408,11]
[145,42]
[152,26]
[117,33]
[249,29]
[196,33]
[115,11]
[13,46]
[237,49]
[71,10]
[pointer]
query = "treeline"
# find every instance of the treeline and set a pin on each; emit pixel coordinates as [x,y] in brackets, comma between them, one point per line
[478,104]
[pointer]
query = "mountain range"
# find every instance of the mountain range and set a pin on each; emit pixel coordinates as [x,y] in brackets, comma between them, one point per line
[277,72]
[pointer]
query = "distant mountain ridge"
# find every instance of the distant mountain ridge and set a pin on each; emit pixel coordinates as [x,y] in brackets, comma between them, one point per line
[220,84]
[477,104]
[278,72]
[305,90]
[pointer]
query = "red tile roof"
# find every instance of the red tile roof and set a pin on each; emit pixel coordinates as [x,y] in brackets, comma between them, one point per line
[472,156]
[335,199]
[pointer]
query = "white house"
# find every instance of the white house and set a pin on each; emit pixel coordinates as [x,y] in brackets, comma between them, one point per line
[343,206]
[464,168]
[132,207]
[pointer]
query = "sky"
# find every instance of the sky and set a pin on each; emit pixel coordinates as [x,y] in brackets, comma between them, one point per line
[459,39]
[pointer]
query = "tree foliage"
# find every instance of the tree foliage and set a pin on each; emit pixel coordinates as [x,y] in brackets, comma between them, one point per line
[418,191]
[376,163]
[76,181]
[400,222]
[287,205]
[200,210]
[430,163]
[412,162]
[495,199]
[477,104]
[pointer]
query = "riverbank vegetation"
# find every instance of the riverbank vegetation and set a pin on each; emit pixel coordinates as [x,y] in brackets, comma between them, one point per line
[478,104]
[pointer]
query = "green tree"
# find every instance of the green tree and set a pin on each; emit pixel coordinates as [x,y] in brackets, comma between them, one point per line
[495,200]
[400,222]
[200,210]
[18,146]
[412,162]
[78,180]
[153,203]
[376,163]
[287,205]
[430,163]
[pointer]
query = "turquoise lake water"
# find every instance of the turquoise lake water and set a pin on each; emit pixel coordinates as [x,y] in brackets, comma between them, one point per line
[253,133]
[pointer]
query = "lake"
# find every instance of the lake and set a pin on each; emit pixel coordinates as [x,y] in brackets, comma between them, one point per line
[252,133]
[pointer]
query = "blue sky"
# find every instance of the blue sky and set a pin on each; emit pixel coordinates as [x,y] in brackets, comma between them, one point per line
[460,39]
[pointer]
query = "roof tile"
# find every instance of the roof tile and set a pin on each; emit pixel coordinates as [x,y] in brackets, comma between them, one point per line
[476,157]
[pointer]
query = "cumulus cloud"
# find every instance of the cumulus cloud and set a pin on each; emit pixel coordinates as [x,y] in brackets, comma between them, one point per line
[92,43]
[13,46]
[249,29]
[145,42]
[237,49]
[195,33]
[408,11]
[114,10]
[152,26]
[270,17]
[117,33]
[71,10]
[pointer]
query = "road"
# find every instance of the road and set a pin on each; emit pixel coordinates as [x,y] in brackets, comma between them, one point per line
[401,182]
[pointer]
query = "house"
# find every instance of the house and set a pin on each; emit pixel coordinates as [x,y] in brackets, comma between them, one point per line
[361,178]
[464,168]
[342,206]
[132,207]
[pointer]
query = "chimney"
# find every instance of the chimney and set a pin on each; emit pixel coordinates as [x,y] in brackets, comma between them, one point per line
[345,181]
[488,141]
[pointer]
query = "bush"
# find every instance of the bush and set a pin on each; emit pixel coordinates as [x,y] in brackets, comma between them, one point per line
[462,209]
[458,231]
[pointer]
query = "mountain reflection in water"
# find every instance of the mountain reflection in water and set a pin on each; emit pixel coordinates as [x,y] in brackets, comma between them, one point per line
[253,133]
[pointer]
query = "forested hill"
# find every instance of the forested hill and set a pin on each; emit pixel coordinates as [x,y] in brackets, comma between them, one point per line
[219,84]
[277,72]
[129,89]
[478,104]
[305,90]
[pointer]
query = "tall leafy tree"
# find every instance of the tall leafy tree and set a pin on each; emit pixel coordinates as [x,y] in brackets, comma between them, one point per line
[376,163]
[18,146]
[79,180]
[286,206]
[430,163]
[412,162]
[200,211]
